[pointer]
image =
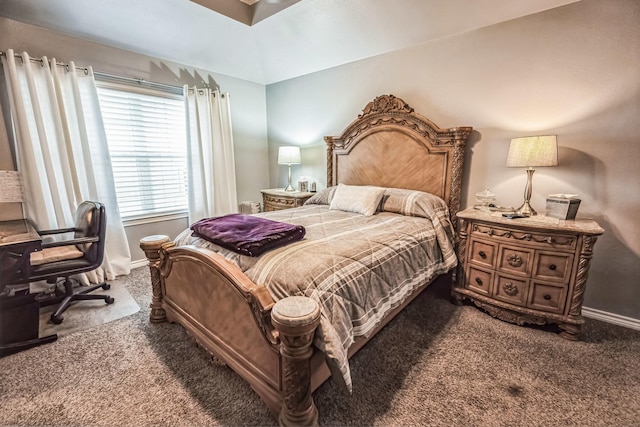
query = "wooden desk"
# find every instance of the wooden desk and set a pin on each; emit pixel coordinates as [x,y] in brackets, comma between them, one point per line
[18,238]
[19,314]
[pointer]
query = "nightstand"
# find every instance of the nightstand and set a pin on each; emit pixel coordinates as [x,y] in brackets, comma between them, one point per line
[525,270]
[276,199]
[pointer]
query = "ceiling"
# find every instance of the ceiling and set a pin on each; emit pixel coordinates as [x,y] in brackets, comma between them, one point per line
[248,12]
[298,37]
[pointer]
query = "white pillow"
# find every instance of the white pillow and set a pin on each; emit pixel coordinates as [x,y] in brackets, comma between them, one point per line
[359,199]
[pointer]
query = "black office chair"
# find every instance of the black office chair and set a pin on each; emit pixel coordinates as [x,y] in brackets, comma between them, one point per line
[83,253]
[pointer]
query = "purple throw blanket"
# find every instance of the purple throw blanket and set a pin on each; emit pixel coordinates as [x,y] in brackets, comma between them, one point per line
[247,234]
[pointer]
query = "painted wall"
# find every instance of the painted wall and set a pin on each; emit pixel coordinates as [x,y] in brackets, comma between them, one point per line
[571,71]
[248,105]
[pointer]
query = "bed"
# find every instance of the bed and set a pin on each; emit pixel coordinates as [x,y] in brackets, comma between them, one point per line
[277,319]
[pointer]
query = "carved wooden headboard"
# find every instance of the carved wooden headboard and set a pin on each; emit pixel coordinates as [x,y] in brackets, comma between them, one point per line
[390,145]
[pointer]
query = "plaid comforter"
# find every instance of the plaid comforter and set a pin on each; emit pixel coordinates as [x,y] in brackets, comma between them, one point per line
[358,268]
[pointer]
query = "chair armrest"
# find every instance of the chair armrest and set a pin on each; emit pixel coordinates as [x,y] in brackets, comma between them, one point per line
[78,241]
[56,231]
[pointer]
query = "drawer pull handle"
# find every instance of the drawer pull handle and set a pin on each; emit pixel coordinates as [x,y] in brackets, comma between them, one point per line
[552,267]
[514,260]
[510,289]
[482,254]
[479,281]
[547,297]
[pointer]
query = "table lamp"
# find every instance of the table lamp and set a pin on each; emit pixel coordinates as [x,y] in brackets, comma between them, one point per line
[530,152]
[289,156]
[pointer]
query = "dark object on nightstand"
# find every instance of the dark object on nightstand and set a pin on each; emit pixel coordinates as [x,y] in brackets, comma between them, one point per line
[514,215]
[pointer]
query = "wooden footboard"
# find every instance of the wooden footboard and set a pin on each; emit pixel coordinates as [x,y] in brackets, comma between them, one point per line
[266,343]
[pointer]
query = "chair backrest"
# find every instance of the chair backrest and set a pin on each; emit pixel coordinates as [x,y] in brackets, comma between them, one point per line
[91,221]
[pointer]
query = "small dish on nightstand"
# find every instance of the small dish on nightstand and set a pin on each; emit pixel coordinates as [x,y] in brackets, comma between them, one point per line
[485,198]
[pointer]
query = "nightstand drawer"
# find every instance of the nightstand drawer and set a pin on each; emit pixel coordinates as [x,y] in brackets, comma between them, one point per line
[483,253]
[511,290]
[276,203]
[553,266]
[278,199]
[480,281]
[524,237]
[515,260]
[548,297]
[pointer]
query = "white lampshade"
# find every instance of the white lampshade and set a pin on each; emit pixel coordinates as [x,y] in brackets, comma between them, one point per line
[533,151]
[288,155]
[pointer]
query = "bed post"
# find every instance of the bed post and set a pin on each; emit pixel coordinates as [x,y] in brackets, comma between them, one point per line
[151,245]
[296,319]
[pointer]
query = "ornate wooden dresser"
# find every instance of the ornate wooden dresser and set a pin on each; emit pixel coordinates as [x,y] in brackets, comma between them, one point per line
[525,270]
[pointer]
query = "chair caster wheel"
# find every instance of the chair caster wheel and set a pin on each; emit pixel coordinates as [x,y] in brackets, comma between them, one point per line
[109,300]
[56,319]
[106,286]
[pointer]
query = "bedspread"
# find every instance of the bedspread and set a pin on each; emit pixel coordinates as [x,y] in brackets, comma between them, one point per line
[358,268]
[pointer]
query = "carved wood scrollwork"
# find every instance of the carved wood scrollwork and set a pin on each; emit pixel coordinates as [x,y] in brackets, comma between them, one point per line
[490,231]
[462,251]
[166,260]
[508,315]
[281,201]
[296,319]
[154,248]
[514,260]
[332,145]
[584,262]
[551,240]
[263,319]
[385,104]
[510,289]
[456,179]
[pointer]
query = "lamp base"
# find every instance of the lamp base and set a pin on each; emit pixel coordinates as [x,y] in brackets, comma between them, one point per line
[289,186]
[526,209]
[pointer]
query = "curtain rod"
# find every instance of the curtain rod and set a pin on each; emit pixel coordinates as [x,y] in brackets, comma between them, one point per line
[112,77]
[41,61]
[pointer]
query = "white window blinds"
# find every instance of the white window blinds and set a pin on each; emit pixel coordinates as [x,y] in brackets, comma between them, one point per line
[147,142]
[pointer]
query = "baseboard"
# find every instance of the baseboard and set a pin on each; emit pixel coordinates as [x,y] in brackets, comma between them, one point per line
[139,263]
[616,319]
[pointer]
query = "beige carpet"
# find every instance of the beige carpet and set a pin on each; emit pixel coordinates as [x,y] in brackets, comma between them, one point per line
[88,314]
[435,365]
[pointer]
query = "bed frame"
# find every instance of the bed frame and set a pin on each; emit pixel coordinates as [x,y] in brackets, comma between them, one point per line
[269,344]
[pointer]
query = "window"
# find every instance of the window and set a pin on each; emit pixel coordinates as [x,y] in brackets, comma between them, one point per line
[146,134]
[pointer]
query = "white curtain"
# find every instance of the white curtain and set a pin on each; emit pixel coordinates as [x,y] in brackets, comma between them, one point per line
[62,151]
[211,164]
